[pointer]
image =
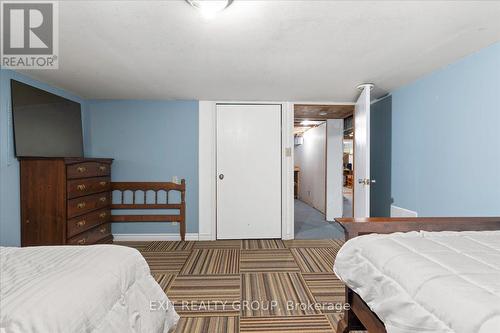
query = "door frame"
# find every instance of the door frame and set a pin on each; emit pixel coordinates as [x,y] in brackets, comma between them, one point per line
[292,106]
[207,172]
[361,88]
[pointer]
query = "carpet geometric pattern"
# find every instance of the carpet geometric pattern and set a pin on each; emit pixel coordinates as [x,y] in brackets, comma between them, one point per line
[315,260]
[267,261]
[248,285]
[326,288]
[166,261]
[164,279]
[297,324]
[281,288]
[259,244]
[306,243]
[220,244]
[212,261]
[169,246]
[200,294]
[208,324]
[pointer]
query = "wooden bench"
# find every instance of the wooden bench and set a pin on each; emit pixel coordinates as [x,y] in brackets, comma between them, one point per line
[145,188]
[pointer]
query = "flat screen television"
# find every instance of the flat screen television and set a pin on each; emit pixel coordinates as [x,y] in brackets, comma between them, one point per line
[45,125]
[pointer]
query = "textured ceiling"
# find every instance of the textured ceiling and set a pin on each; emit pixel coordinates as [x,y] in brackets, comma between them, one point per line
[261,50]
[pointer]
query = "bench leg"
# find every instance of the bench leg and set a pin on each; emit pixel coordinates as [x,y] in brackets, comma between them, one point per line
[183,230]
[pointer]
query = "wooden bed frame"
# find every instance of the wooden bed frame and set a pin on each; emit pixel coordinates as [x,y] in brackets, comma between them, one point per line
[359,316]
[155,187]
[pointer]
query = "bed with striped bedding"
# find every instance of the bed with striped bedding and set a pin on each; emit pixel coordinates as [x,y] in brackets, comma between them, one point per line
[99,288]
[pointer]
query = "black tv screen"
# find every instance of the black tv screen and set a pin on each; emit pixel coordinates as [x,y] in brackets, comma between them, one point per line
[45,125]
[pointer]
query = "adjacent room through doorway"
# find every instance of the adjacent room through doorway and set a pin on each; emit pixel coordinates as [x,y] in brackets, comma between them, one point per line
[348,167]
[321,179]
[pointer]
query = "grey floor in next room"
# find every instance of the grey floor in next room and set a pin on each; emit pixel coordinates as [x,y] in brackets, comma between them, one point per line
[311,224]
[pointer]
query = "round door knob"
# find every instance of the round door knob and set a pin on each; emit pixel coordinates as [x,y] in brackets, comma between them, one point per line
[221,176]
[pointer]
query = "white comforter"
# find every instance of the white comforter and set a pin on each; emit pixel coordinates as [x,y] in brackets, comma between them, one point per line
[99,288]
[427,281]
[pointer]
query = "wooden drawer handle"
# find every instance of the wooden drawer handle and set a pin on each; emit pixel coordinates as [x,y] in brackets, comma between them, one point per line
[102,168]
[81,169]
[81,187]
[81,223]
[102,215]
[81,205]
[103,183]
[103,230]
[103,199]
[82,241]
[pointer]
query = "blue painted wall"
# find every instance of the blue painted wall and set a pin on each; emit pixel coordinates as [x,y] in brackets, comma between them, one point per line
[446,139]
[150,141]
[445,144]
[380,157]
[10,230]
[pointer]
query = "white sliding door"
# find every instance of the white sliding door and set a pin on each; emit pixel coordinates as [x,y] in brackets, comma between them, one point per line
[248,171]
[362,153]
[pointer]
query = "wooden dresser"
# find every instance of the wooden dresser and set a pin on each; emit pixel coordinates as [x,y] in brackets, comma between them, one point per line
[65,201]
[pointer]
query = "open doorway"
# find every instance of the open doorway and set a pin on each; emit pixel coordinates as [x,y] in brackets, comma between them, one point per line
[319,170]
[348,167]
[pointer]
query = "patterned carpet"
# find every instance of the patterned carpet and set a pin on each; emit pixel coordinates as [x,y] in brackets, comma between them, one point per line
[250,285]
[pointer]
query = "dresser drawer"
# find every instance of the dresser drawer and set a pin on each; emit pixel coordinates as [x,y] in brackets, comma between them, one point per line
[105,240]
[83,205]
[85,186]
[85,222]
[91,236]
[87,169]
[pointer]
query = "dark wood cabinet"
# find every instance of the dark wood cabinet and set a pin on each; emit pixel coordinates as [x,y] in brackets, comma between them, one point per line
[65,201]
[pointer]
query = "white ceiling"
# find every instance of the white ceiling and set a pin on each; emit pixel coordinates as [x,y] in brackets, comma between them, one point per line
[261,50]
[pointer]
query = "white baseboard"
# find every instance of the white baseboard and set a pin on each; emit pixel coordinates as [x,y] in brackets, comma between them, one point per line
[205,237]
[402,212]
[153,237]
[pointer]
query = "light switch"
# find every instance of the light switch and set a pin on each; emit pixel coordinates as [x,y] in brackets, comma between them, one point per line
[288,152]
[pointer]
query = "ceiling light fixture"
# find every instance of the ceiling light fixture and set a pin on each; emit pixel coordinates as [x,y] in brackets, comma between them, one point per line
[209,8]
[323,113]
